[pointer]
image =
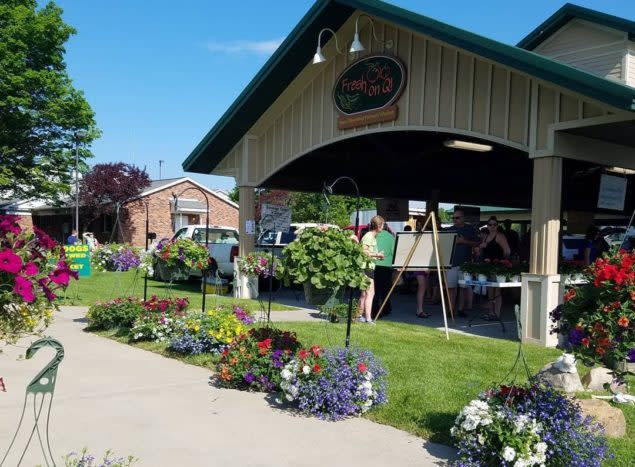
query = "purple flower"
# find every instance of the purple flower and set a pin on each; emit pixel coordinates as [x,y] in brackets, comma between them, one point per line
[631,355]
[575,336]
[249,377]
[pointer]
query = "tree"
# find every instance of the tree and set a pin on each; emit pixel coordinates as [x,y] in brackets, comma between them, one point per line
[312,207]
[42,116]
[108,185]
[234,194]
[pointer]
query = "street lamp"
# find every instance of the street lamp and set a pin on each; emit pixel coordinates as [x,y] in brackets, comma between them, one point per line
[78,134]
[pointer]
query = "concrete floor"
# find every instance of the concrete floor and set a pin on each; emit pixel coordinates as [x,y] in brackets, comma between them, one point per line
[163,411]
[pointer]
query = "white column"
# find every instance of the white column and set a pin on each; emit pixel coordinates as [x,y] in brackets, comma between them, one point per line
[541,287]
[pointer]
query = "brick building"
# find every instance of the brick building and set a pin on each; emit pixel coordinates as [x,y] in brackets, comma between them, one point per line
[165,216]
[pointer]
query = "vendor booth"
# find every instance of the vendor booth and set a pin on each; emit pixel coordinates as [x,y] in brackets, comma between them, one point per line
[413,108]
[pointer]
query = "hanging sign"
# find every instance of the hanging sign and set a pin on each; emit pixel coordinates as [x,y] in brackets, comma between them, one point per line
[612,192]
[276,218]
[367,89]
[80,258]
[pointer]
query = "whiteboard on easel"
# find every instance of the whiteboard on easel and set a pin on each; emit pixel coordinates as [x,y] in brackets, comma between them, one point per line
[423,256]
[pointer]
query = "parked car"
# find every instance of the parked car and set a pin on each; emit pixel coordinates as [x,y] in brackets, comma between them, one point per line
[222,245]
[270,239]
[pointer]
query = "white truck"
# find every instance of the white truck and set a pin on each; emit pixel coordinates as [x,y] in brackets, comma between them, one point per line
[222,245]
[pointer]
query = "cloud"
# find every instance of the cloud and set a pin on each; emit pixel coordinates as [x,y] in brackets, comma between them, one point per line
[254,47]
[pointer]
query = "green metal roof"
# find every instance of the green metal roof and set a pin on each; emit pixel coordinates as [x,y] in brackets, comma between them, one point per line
[566,14]
[297,50]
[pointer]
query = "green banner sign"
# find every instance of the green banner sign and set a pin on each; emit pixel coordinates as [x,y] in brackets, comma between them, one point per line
[79,255]
[372,83]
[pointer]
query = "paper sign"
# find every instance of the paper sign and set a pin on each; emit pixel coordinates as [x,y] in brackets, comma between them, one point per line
[250,227]
[612,192]
[276,218]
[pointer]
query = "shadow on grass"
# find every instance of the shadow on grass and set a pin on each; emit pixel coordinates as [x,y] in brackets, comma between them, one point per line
[439,424]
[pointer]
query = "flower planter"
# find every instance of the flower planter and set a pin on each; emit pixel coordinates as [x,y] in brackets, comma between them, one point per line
[565,278]
[246,287]
[467,276]
[482,278]
[168,274]
[578,277]
[501,279]
[315,296]
[514,279]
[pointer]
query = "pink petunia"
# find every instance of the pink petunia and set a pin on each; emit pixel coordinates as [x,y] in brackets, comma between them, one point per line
[30,269]
[10,262]
[24,288]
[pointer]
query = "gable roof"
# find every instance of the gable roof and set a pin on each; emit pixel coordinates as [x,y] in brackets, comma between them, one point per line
[565,14]
[158,185]
[297,49]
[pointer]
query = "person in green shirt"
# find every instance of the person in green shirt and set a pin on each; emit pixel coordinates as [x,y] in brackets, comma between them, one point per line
[383,272]
[369,242]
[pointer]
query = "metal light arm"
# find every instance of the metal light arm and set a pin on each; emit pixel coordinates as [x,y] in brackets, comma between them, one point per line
[204,271]
[319,57]
[357,46]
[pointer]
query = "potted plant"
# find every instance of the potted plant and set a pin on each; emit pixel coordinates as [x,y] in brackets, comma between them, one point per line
[252,267]
[175,258]
[571,270]
[597,320]
[501,269]
[469,270]
[325,261]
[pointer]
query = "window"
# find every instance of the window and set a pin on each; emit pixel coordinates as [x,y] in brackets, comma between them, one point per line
[181,233]
[215,236]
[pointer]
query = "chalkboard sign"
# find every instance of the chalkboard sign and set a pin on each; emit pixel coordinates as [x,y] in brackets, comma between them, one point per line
[372,83]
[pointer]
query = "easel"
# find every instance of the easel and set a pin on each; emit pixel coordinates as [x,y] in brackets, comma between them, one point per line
[443,282]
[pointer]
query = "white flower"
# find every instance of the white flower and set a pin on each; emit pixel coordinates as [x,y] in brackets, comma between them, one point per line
[289,397]
[541,447]
[453,431]
[368,375]
[521,422]
[367,385]
[286,374]
[470,423]
[306,369]
[509,454]
[481,439]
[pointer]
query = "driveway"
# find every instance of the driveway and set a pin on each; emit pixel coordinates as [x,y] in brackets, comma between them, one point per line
[165,412]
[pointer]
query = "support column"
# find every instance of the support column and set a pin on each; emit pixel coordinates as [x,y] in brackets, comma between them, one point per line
[541,287]
[246,216]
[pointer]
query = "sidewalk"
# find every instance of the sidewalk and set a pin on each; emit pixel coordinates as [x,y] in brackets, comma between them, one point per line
[115,396]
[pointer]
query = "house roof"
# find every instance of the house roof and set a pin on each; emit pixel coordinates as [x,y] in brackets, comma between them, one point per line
[158,185]
[566,14]
[296,50]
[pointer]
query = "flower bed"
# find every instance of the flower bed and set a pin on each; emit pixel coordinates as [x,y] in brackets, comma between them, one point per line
[335,383]
[254,360]
[117,313]
[32,268]
[597,320]
[160,319]
[524,426]
[209,332]
[116,257]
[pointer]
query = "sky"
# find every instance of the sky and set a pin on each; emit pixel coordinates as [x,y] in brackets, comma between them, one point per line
[160,73]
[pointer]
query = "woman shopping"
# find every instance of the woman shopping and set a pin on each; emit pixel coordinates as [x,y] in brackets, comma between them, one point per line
[369,242]
[494,248]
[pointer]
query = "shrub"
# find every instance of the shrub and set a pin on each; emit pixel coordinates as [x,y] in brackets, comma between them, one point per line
[116,257]
[117,313]
[254,360]
[526,426]
[32,268]
[335,383]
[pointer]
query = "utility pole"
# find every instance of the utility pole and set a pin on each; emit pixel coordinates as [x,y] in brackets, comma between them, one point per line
[160,164]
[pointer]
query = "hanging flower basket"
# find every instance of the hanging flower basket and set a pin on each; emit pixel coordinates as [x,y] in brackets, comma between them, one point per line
[317,297]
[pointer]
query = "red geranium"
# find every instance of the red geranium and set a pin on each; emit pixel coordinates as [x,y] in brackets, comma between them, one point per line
[361,367]
[623,322]
[571,293]
[316,368]
[303,354]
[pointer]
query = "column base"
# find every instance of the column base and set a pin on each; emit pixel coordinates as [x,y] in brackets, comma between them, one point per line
[244,286]
[540,294]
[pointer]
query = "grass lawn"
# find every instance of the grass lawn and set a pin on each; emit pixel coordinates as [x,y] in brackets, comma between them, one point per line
[430,379]
[103,286]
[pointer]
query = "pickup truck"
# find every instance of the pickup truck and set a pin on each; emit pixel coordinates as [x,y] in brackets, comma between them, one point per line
[222,245]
